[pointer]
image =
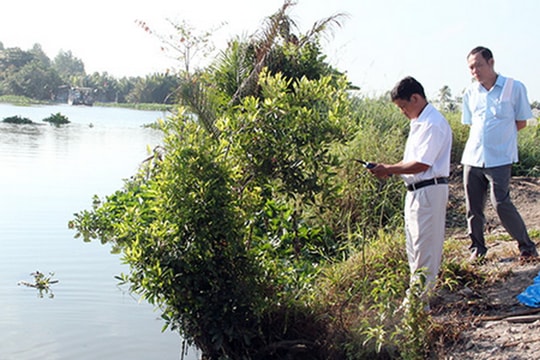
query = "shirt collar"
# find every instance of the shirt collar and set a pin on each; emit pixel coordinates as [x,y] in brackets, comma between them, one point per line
[498,82]
[423,115]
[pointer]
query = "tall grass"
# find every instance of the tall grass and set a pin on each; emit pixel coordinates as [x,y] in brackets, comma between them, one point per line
[529,152]
[365,203]
[460,134]
[362,293]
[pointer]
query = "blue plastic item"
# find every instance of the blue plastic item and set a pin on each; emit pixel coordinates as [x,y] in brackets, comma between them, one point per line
[531,295]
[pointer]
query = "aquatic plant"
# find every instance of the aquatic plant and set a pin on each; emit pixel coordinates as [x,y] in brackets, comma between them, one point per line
[41,282]
[17,120]
[57,119]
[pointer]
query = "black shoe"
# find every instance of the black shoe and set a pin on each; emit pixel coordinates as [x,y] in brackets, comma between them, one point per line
[476,257]
[528,256]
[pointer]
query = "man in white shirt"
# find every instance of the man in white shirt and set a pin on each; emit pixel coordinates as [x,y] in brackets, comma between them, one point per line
[496,108]
[425,169]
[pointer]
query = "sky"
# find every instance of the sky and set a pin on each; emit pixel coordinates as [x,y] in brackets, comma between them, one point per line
[379,41]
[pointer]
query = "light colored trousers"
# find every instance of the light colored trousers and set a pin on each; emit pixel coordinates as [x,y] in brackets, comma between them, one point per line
[425,220]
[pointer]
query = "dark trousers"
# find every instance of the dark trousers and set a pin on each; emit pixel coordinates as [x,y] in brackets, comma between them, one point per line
[477,182]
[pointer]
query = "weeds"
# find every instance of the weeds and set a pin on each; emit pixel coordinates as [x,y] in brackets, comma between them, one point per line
[17,120]
[365,293]
[57,119]
[42,283]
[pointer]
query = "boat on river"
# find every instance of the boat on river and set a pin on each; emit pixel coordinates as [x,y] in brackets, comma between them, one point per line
[81,96]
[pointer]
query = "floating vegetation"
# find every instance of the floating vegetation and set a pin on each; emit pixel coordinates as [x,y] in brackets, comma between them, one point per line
[57,119]
[41,282]
[17,120]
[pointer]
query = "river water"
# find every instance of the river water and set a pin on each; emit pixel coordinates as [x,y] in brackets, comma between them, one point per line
[47,174]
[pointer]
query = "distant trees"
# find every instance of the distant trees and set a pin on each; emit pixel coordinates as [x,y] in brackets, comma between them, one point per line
[34,80]
[154,88]
[68,66]
[32,74]
[27,73]
[446,101]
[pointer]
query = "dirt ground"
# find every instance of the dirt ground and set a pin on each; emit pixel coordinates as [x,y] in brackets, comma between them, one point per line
[489,322]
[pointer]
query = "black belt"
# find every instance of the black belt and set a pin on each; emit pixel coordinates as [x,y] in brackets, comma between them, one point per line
[421,184]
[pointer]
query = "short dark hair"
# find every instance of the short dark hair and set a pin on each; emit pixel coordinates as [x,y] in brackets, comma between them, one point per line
[486,53]
[406,88]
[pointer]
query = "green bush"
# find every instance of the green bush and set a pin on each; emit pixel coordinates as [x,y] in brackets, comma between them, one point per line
[223,235]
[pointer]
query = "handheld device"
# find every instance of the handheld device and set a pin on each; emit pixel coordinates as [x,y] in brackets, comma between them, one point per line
[367,165]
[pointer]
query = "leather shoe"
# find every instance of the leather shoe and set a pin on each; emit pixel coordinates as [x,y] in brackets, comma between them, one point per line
[477,258]
[528,256]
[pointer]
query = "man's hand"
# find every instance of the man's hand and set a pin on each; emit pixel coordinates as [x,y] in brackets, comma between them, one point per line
[520,124]
[381,171]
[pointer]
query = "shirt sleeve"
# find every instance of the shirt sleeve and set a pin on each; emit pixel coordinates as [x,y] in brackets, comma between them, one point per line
[428,144]
[432,141]
[522,108]
[466,116]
